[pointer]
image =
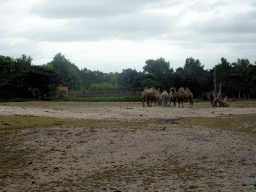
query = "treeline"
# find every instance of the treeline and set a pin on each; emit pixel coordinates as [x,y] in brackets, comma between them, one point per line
[21,79]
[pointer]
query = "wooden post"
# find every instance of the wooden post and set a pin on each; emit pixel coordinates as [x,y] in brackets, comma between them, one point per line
[214,82]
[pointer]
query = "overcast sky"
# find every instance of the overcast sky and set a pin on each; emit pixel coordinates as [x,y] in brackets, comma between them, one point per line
[111,35]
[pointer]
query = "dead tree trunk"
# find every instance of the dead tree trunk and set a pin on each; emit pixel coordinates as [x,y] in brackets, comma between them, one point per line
[215,101]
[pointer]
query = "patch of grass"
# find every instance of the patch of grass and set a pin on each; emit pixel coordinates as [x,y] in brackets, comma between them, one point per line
[11,158]
[251,103]
[131,98]
[13,100]
[18,122]
[239,123]
[145,175]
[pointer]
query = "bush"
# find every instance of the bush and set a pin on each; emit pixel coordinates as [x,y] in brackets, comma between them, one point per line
[204,96]
[19,99]
[103,86]
[132,98]
[252,93]
[34,92]
[16,100]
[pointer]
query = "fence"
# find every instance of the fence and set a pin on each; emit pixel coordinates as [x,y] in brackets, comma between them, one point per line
[103,94]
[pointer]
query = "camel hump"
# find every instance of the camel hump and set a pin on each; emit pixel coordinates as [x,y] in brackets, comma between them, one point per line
[181,89]
[187,89]
[172,89]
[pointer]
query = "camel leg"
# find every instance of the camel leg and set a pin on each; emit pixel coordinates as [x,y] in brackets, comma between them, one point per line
[191,103]
[148,103]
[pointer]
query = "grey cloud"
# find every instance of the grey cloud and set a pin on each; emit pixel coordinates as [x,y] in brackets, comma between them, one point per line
[128,27]
[96,8]
[236,38]
[16,47]
[239,23]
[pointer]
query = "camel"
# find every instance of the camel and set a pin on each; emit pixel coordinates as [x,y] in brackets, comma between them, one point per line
[177,95]
[155,98]
[187,95]
[164,98]
[172,99]
[150,95]
[146,88]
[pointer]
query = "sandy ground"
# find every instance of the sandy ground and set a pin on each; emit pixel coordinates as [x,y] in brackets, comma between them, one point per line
[118,112]
[157,158]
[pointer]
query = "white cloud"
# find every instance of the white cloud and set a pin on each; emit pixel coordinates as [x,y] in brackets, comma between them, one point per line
[118,34]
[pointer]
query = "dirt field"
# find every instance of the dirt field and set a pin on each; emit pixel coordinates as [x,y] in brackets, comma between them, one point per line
[125,147]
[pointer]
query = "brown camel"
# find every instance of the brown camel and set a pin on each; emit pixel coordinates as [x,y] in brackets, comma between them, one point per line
[177,95]
[155,99]
[187,95]
[150,95]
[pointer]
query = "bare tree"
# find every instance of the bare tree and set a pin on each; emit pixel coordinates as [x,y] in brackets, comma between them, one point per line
[216,100]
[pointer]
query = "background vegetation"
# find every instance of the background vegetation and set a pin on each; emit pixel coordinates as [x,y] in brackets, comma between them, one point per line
[19,79]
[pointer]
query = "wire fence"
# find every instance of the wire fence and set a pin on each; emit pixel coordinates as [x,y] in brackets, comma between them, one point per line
[102,93]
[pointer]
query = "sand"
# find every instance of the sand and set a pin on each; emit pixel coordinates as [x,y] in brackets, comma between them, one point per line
[159,157]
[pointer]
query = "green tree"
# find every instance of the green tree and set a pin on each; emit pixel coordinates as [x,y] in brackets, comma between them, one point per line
[151,83]
[160,69]
[192,76]
[126,79]
[68,72]
[98,76]
[41,78]
[12,73]
[110,78]
[251,79]
[193,67]
[21,65]
[238,76]
[87,77]
[223,75]
[141,79]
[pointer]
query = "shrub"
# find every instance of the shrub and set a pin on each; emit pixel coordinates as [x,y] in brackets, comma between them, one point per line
[33,92]
[204,96]
[19,99]
[103,86]
[16,100]
[133,98]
